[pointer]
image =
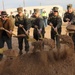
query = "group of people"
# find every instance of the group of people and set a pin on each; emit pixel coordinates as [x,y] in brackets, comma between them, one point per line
[36,22]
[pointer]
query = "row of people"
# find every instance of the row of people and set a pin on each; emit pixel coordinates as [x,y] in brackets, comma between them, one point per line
[23,23]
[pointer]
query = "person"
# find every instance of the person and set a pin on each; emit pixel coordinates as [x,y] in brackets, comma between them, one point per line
[69,17]
[11,14]
[44,15]
[30,14]
[26,14]
[22,23]
[50,13]
[0,16]
[38,26]
[5,24]
[12,19]
[55,22]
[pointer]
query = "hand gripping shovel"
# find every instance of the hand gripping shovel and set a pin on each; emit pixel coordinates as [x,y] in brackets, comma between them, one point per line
[17,36]
[25,32]
[57,41]
[1,28]
[27,35]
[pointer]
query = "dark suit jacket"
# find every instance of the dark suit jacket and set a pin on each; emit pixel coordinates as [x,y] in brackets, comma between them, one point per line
[7,25]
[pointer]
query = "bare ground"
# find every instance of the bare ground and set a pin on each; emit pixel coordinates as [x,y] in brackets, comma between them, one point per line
[39,63]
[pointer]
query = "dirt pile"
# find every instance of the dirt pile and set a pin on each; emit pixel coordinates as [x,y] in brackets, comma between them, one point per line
[41,62]
[38,64]
[67,40]
[38,45]
[66,47]
[49,42]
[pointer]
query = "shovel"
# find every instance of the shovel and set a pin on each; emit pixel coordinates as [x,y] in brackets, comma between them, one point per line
[1,28]
[25,32]
[17,36]
[57,39]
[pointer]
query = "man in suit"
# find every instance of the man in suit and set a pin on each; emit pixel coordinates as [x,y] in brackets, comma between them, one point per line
[6,24]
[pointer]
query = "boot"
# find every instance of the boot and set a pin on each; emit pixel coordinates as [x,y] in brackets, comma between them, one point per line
[1,56]
[20,52]
[26,50]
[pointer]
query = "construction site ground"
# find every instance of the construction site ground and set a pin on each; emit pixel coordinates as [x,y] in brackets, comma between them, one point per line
[39,63]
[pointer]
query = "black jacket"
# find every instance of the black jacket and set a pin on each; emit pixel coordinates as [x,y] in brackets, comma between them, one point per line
[23,21]
[69,16]
[55,20]
[37,21]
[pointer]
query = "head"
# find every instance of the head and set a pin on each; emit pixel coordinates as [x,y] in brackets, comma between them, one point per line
[44,11]
[25,10]
[55,11]
[4,15]
[20,10]
[30,11]
[36,12]
[69,8]
[11,12]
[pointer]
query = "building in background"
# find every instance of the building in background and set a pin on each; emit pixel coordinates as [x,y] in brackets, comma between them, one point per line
[47,8]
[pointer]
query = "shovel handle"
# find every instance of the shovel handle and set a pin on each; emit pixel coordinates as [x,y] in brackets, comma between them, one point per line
[7,31]
[55,31]
[25,32]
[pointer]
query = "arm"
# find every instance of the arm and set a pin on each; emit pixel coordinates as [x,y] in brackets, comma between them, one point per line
[41,24]
[26,23]
[49,21]
[73,20]
[59,22]
[16,22]
[10,25]
[65,19]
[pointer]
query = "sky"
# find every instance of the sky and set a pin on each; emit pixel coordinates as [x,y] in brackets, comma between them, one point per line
[6,4]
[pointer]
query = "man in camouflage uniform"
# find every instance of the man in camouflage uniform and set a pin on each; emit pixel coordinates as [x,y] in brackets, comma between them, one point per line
[69,17]
[22,22]
[38,25]
[55,22]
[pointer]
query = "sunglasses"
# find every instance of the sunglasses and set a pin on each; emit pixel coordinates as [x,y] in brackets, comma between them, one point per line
[55,11]
[4,16]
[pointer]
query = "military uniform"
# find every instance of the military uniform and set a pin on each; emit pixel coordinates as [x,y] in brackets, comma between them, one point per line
[22,20]
[38,25]
[71,17]
[56,21]
[68,16]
